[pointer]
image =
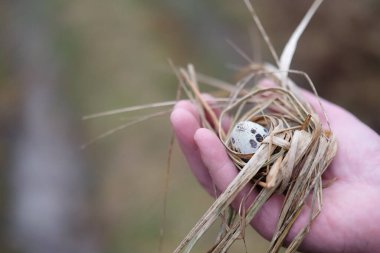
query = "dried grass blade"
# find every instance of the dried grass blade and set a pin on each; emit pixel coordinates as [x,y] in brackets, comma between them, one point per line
[129,109]
[308,179]
[245,175]
[239,51]
[262,31]
[216,83]
[287,170]
[202,104]
[272,175]
[235,231]
[123,126]
[290,47]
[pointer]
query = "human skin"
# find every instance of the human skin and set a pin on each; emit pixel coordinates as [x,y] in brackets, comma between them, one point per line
[350,217]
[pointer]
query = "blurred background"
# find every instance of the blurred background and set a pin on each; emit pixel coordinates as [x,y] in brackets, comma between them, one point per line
[61,60]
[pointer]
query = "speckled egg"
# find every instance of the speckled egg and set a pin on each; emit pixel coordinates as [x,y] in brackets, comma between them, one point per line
[246,137]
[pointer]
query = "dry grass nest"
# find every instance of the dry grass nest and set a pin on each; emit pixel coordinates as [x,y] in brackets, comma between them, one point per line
[290,159]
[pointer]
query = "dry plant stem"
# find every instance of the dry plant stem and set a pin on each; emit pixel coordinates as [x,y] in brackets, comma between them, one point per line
[289,213]
[245,175]
[237,228]
[123,126]
[239,51]
[238,224]
[273,172]
[216,83]
[309,179]
[290,48]
[204,104]
[262,31]
[166,185]
[129,109]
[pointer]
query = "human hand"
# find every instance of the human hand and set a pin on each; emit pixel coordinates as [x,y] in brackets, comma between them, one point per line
[350,217]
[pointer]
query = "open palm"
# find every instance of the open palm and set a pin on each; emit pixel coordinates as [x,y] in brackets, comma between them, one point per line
[350,218]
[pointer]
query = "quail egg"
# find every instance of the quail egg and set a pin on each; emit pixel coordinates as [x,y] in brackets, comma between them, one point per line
[246,137]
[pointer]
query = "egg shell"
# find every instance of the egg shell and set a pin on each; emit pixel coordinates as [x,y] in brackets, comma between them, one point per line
[247,136]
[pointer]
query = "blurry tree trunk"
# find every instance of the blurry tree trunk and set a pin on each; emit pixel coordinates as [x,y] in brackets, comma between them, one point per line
[48,192]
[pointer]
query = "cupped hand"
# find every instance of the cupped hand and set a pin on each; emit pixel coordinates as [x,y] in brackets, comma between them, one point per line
[350,217]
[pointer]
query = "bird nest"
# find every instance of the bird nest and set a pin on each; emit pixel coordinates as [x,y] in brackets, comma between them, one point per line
[290,155]
[290,159]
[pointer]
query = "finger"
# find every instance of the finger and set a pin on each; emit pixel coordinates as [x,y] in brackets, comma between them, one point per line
[185,124]
[188,106]
[223,172]
[214,156]
[220,167]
